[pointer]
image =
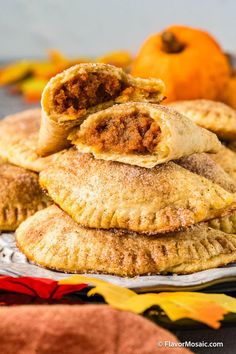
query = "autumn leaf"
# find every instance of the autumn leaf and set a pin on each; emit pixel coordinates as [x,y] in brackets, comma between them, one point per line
[80,60]
[14,72]
[180,305]
[58,58]
[118,58]
[206,308]
[43,70]
[32,89]
[61,62]
[29,77]
[113,294]
[38,287]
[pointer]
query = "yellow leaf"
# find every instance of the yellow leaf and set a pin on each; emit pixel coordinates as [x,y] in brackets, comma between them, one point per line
[43,69]
[113,294]
[119,58]
[228,302]
[205,308]
[60,62]
[57,57]
[180,305]
[14,72]
[32,89]
[80,60]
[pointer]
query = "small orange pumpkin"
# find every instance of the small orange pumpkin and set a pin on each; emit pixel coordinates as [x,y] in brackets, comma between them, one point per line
[189,61]
[229,93]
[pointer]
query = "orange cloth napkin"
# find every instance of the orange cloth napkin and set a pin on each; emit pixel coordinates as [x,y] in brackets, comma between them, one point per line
[80,329]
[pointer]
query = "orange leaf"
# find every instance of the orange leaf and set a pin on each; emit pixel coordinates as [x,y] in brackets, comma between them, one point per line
[206,308]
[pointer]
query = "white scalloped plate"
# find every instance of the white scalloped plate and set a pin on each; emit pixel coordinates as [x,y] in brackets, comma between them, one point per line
[14,263]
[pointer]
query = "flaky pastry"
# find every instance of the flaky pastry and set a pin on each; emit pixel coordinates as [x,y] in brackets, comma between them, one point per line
[20,196]
[66,246]
[205,166]
[215,116]
[226,158]
[142,134]
[19,139]
[107,194]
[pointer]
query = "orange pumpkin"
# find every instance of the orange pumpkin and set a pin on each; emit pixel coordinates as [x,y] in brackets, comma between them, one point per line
[189,61]
[229,93]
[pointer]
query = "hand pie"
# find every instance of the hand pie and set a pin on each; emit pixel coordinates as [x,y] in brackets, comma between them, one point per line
[20,196]
[232,145]
[215,116]
[66,246]
[226,224]
[19,139]
[141,134]
[226,158]
[105,194]
[72,95]
[203,165]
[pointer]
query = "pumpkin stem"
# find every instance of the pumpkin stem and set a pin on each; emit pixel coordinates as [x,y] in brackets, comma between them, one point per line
[170,43]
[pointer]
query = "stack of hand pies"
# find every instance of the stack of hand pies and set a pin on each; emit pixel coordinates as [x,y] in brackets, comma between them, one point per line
[135,183]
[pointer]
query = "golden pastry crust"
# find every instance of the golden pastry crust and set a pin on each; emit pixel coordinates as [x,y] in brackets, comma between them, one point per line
[203,165]
[141,134]
[105,194]
[64,245]
[19,139]
[215,116]
[20,196]
[83,89]
[226,158]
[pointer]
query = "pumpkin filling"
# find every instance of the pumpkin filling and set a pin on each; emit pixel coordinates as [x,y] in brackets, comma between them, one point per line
[85,91]
[124,133]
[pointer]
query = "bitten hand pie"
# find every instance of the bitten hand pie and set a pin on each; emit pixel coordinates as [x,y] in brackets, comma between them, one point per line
[141,134]
[20,196]
[72,95]
[66,246]
[105,194]
[19,139]
[215,116]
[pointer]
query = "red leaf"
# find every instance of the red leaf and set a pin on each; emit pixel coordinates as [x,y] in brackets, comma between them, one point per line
[38,287]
